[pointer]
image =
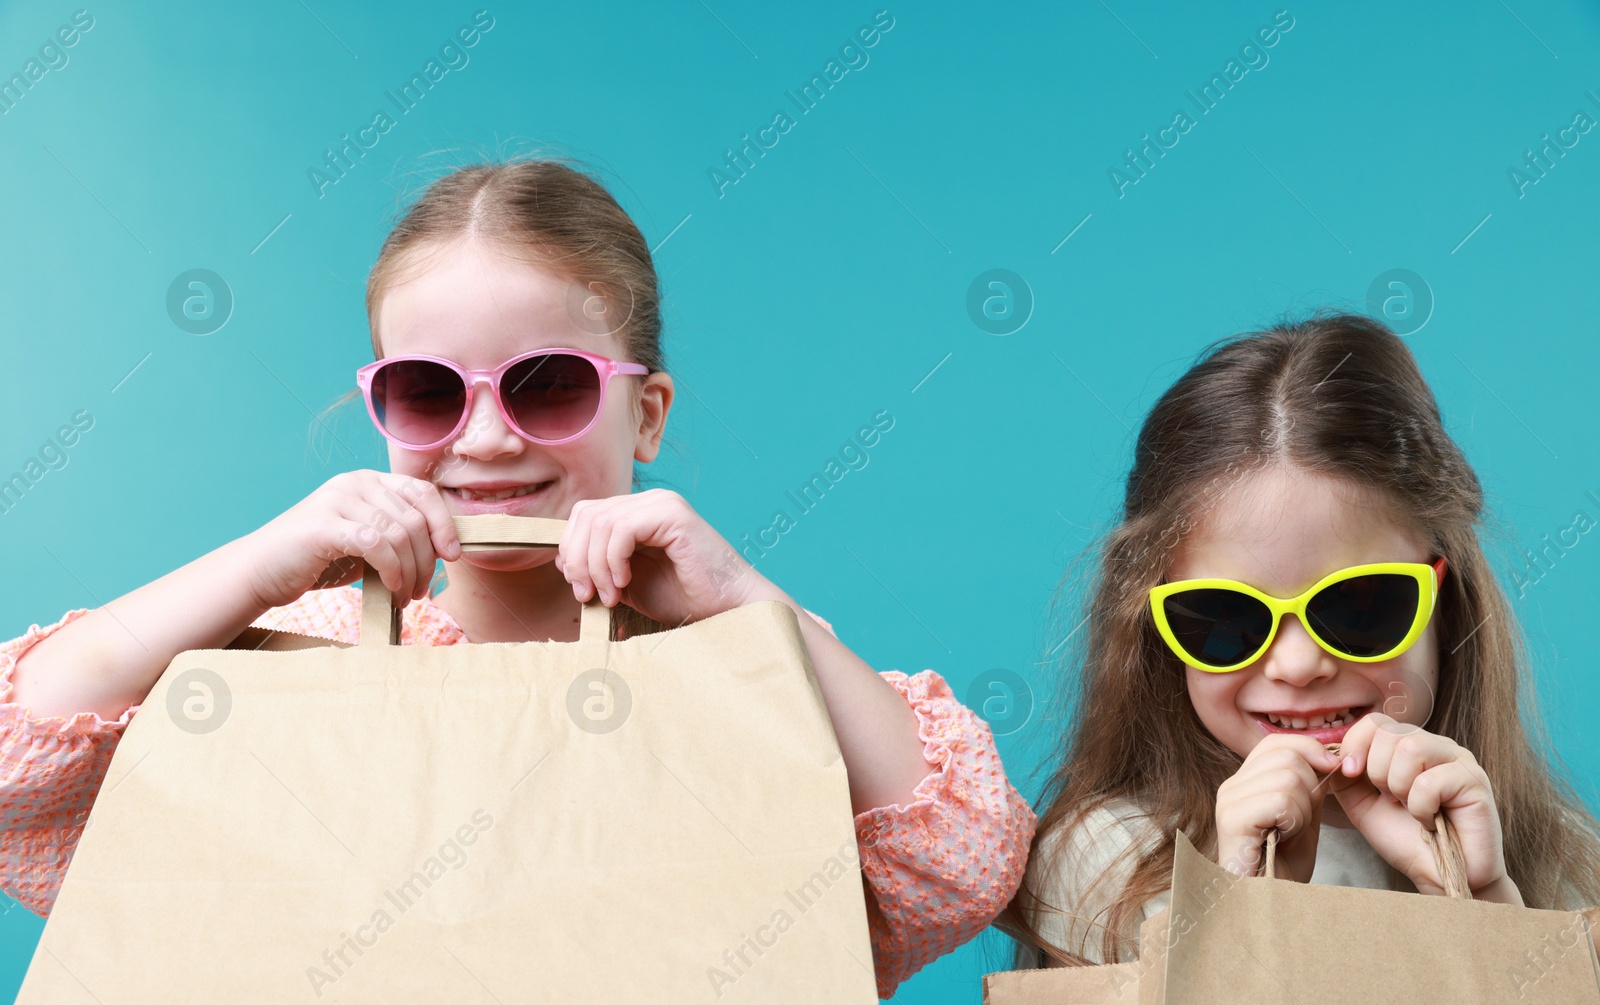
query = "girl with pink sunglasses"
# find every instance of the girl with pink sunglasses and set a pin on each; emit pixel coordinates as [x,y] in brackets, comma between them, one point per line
[516,329]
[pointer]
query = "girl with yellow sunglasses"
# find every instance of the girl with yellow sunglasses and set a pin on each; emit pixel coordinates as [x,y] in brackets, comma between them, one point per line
[1296,566]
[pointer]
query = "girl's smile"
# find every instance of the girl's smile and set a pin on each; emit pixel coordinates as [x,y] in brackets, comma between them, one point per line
[1325,725]
[496,497]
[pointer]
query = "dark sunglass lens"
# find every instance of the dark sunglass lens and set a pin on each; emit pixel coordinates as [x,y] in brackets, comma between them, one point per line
[1367,615]
[552,397]
[417,401]
[1218,628]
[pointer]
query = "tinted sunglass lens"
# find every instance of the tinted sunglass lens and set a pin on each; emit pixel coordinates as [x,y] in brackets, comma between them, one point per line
[417,401]
[553,396]
[1366,615]
[1218,628]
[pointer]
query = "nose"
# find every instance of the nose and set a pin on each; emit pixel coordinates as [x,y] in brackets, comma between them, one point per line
[1294,656]
[486,434]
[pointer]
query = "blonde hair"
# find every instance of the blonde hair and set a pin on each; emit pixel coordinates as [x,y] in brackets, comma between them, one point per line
[1342,396]
[545,210]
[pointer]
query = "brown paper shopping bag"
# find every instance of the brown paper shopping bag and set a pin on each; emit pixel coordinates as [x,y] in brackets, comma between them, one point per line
[1248,940]
[660,819]
[1230,940]
[1135,983]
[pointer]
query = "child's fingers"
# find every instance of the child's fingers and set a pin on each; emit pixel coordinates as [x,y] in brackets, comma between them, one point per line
[1436,787]
[386,563]
[619,526]
[1286,748]
[1437,763]
[1286,810]
[589,548]
[1277,788]
[415,548]
[574,551]
[1277,802]
[647,519]
[623,541]
[1357,740]
[1348,790]
[600,524]
[1411,757]
[415,525]
[1387,738]
[384,516]
[1395,758]
[1461,788]
[1273,793]
[1359,798]
[426,497]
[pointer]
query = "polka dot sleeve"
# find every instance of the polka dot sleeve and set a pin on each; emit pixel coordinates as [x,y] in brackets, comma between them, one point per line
[940,868]
[50,770]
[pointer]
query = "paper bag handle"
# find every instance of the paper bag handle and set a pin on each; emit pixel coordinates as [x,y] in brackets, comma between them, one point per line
[380,621]
[1441,840]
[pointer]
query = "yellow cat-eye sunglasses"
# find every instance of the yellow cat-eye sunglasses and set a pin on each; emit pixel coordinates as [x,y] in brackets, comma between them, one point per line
[1365,613]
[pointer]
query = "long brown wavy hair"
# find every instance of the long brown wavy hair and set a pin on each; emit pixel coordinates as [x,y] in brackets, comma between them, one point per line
[1339,395]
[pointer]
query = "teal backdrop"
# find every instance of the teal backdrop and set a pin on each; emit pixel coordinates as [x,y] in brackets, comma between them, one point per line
[1432,162]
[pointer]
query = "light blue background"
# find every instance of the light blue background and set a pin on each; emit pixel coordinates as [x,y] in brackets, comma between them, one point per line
[823,287]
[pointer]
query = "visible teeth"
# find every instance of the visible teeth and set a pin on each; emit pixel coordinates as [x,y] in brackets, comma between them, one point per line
[1322,721]
[494,496]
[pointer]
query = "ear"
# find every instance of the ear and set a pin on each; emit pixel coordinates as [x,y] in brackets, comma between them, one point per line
[653,403]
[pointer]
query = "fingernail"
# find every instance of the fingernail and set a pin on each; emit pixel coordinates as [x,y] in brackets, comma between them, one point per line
[1349,764]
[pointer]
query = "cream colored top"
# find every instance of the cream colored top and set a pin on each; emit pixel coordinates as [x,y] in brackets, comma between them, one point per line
[1064,866]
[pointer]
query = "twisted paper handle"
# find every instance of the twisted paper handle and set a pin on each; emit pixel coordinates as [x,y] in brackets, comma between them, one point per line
[1441,841]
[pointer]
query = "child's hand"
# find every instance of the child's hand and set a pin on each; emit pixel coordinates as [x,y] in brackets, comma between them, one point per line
[1395,777]
[1277,788]
[652,551]
[399,524]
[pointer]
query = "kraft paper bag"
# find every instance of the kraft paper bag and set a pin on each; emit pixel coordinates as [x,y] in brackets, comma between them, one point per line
[663,819]
[1230,940]
[1267,940]
[1136,983]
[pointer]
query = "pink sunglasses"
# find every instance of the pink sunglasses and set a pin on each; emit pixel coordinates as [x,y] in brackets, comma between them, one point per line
[549,396]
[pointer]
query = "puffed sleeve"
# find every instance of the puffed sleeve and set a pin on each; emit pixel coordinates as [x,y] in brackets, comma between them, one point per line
[50,770]
[940,869]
